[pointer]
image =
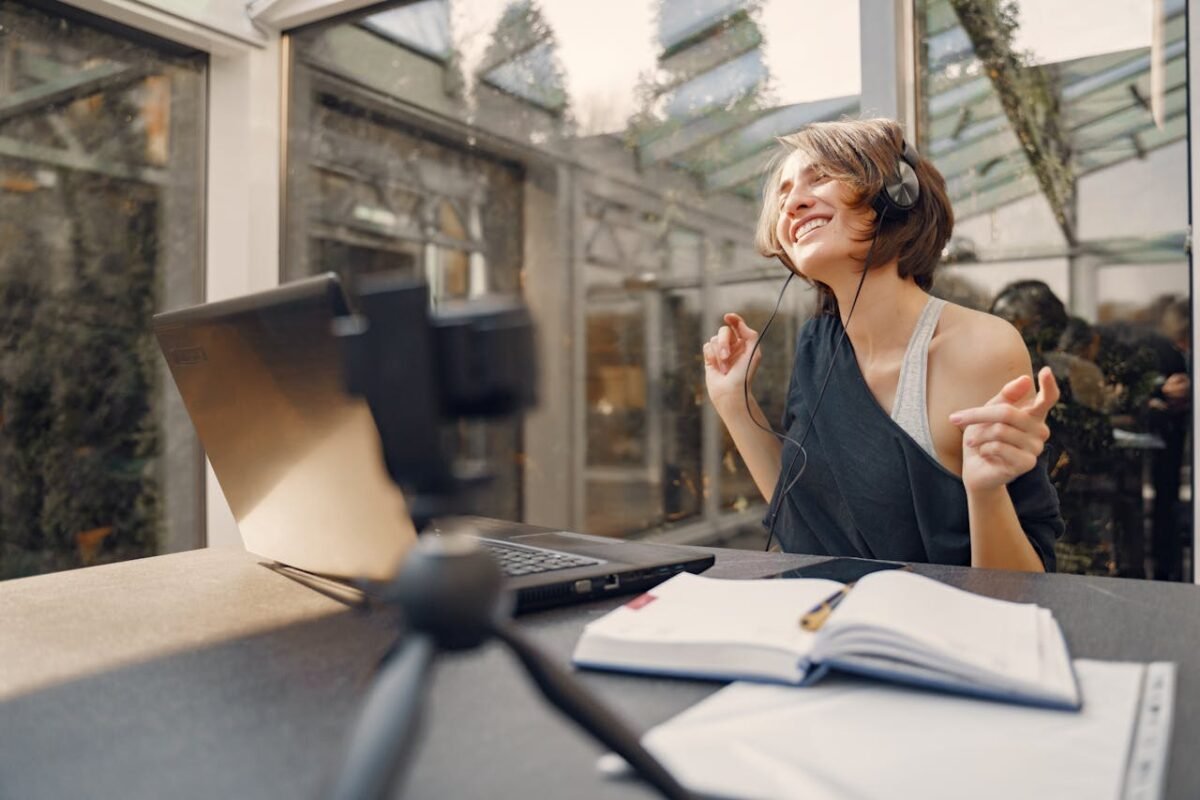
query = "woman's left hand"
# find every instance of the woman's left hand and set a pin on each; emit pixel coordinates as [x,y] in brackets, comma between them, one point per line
[1003,439]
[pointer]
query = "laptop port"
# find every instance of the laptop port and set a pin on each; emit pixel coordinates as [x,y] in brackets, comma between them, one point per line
[612,582]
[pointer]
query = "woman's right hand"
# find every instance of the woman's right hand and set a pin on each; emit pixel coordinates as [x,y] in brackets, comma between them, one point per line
[727,362]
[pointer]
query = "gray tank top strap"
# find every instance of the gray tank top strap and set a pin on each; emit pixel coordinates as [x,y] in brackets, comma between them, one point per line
[910,410]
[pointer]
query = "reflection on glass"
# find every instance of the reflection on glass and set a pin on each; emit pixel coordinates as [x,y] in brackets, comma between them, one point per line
[101,153]
[622,490]
[1065,153]
[616,386]
[604,160]
[683,398]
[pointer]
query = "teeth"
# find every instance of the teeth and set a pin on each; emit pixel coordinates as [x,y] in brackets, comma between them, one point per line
[810,225]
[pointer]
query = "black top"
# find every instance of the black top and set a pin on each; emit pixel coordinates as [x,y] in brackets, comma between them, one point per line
[869,489]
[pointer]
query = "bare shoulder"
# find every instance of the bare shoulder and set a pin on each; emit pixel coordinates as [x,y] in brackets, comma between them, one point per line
[979,351]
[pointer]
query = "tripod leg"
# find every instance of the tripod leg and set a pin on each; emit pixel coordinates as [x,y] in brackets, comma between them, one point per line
[393,651]
[571,698]
[382,737]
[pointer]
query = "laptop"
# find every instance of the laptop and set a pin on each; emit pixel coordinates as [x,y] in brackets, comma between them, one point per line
[300,462]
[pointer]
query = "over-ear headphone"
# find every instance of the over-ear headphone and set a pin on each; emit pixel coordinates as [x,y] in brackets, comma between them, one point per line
[901,189]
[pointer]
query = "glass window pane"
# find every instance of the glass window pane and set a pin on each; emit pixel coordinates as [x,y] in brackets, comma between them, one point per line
[616,395]
[620,480]
[1065,152]
[619,196]
[683,398]
[101,204]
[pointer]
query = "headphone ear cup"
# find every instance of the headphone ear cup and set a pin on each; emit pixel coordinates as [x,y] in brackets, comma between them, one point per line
[902,189]
[907,189]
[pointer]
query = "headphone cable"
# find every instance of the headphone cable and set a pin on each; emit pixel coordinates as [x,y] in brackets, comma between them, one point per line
[773,506]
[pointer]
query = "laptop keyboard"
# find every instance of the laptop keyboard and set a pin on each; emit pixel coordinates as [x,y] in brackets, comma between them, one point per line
[516,559]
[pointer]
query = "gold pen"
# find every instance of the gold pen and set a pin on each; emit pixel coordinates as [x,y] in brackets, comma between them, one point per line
[818,614]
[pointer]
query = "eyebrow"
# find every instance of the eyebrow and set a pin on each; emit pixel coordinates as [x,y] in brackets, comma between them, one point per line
[807,172]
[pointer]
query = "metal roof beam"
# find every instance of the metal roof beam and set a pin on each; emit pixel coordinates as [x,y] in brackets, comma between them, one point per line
[81,162]
[736,173]
[64,90]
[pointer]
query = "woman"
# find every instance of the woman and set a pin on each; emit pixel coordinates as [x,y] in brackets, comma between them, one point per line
[927,445]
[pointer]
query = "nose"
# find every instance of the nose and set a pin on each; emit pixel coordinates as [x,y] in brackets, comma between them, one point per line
[798,199]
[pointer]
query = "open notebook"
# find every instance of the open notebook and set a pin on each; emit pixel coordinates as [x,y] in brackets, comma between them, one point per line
[893,625]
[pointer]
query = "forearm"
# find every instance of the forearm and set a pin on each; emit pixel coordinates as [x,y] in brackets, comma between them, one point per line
[758,448]
[997,539]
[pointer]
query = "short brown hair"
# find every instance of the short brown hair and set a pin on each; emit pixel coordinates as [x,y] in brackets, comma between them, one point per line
[862,154]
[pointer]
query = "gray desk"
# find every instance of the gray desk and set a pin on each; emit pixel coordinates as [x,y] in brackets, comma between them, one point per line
[208,675]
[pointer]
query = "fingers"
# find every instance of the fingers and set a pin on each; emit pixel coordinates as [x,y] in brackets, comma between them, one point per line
[1014,460]
[1176,387]
[1014,391]
[1176,379]
[725,341]
[740,327]
[1010,432]
[722,351]
[1002,415]
[1014,397]
[731,341]
[984,437]
[1047,395]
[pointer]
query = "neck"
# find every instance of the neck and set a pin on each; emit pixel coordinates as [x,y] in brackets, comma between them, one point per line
[886,311]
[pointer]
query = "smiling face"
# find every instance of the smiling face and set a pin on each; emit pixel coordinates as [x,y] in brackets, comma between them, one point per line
[819,222]
[818,226]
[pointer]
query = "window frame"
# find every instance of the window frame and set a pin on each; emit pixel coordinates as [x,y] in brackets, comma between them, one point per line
[240,216]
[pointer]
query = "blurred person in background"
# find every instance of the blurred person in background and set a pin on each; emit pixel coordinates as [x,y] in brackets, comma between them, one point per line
[1165,412]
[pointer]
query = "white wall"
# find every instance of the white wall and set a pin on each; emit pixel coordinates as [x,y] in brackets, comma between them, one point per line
[991,277]
[1027,223]
[1136,197]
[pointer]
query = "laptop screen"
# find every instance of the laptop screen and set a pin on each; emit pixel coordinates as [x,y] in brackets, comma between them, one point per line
[298,459]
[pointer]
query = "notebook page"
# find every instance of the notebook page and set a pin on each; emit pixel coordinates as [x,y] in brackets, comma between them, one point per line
[1057,675]
[692,609]
[993,636]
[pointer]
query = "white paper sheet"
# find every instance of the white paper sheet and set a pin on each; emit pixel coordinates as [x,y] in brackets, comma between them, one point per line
[850,738]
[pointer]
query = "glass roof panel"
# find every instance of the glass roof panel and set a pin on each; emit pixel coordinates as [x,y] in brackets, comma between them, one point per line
[720,86]
[423,26]
[533,76]
[1104,107]
[679,21]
